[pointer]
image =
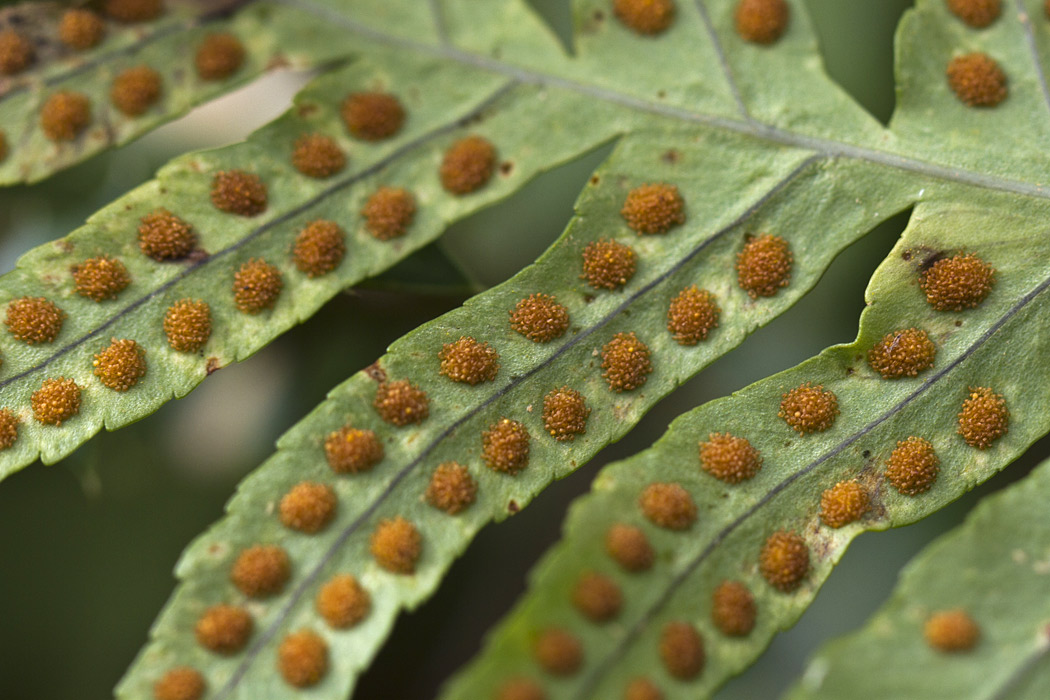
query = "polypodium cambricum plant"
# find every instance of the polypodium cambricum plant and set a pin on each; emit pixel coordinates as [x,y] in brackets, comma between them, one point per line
[739,172]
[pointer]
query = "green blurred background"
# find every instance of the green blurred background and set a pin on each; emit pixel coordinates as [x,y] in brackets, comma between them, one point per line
[87,546]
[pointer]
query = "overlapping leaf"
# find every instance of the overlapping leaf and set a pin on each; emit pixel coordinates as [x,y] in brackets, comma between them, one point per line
[994,568]
[821,176]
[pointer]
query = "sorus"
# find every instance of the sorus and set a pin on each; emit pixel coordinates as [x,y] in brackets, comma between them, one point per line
[34,320]
[976,13]
[56,401]
[467,165]
[565,413]
[902,353]
[843,503]
[451,488]
[667,505]
[238,192]
[308,507]
[559,652]
[133,10]
[642,689]
[219,56]
[81,29]
[261,571]
[65,115]
[654,208]
[256,286]
[224,629]
[120,365]
[728,458]
[100,278]
[682,650]
[468,361]
[302,658]
[164,236]
[319,248]
[625,362]
[761,21]
[396,545]
[692,315]
[784,561]
[343,602]
[401,403]
[373,116]
[957,283]
[951,631]
[764,265]
[317,155]
[389,212]
[597,597]
[646,17]
[350,450]
[505,446]
[16,52]
[520,689]
[912,467]
[135,90]
[977,80]
[629,546]
[180,683]
[984,417]
[608,264]
[8,428]
[809,409]
[540,318]
[733,609]
[187,325]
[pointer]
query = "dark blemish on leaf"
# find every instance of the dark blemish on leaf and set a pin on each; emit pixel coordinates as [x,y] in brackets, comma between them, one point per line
[64,245]
[850,371]
[599,16]
[306,110]
[906,256]
[197,255]
[506,167]
[670,156]
[278,61]
[595,179]
[866,454]
[661,94]
[787,443]
[212,366]
[376,372]
[513,507]
[588,298]
[958,324]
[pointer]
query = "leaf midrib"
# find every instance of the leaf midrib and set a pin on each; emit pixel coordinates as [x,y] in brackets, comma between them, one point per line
[636,630]
[829,148]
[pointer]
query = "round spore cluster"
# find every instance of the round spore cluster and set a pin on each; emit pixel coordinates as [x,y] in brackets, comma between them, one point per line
[469,362]
[733,609]
[8,428]
[308,507]
[219,56]
[653,208]
[81,29]
[957,283]
[976,13]
[565,413]
[682,650]
[135,90]
[16,52]
[608,264]
[187,325]
[468,165]
[343,602]
[389,212]
[120,365]
[764,265]
[761,21]
[625,362]
[984,417]
[505,446]
[373,116]
[809,409]
[451,488]
[629,547]
[401,403]
[261,571]
[224,629]
[351,450]
[913,466]
[903,353]
[558,651]
[65,115]
[56,401]
[133,10]
[692,315]
[239,192]
[164,236]
[729,458]
[597,597]
[784,560]
[396,545]
[34,320]
[645,17]
[977,80]
[951,631]
[180,683]
[540,318]
[319,248]
[100,278]
[302,658]
[843,503]
[256,286]
[667,505]
[318,156]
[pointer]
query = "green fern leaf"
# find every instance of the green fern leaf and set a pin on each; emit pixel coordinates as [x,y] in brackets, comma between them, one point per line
[993,569]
